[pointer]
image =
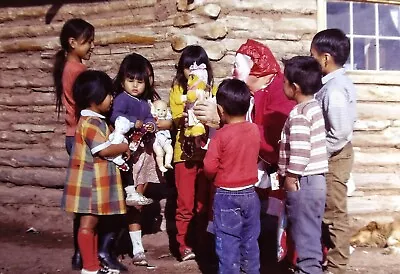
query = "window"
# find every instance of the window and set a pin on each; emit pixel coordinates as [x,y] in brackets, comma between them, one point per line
[374,32]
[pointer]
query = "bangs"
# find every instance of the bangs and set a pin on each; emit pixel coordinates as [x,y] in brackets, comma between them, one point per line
[136,73]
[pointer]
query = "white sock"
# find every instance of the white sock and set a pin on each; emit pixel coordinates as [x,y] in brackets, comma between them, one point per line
[136,238]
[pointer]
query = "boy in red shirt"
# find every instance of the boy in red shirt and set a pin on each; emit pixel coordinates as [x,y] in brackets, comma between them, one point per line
[231,162]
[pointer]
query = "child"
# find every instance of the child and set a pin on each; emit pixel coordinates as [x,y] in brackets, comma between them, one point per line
[331,48]
[163,144]
[144,170]
[303,162]
[93,186]
[76,39]
[231,162]
[190,181]
[133,89]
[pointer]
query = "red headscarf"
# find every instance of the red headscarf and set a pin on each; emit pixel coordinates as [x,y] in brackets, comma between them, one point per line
[262,57]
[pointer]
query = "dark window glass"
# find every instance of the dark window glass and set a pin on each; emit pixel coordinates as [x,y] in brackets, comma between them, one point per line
[339,16]
[364,54]
[388,54]
[388,20]
[364,18]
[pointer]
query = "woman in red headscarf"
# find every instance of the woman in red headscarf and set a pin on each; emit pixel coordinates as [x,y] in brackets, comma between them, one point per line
[269,108]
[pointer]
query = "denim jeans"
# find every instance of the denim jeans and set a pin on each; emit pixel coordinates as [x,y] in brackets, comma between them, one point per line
[237,228]
[69,143]
[305,210]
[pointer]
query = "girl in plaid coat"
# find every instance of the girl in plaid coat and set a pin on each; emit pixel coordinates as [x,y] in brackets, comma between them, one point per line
[93,186]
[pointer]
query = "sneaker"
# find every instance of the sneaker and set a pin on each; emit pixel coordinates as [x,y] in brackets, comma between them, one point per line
[140,259]
[137,199]
[103,270]
[188,255]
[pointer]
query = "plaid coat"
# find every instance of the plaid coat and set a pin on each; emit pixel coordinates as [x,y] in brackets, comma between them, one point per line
[93,184]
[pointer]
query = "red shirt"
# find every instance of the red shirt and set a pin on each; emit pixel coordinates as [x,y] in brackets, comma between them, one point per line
[231,158]
[271,109]
[71,71]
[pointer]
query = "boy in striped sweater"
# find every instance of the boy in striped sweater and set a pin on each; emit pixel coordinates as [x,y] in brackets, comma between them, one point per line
[303,161]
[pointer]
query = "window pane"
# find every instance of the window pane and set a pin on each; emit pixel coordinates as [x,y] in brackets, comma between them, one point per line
[339,16]
[364,54]
[388,20]
[388,52]
[364,18]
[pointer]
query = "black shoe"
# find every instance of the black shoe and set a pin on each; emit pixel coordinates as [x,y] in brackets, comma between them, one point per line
[76,261]
[105,254]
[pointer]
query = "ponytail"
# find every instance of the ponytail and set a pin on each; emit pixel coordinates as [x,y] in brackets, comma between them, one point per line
[59,63]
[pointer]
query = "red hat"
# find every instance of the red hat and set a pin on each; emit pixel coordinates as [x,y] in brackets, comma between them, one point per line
[262,57]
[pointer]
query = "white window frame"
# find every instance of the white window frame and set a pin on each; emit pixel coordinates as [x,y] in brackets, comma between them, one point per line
[381,77]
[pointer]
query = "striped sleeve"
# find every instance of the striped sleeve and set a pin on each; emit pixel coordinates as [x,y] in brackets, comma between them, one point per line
[300,144]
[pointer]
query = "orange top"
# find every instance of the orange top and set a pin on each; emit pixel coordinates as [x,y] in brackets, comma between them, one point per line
[71,70]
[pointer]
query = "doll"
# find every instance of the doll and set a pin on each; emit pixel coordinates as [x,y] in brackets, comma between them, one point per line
[122,126]
[197,91]
[162,146]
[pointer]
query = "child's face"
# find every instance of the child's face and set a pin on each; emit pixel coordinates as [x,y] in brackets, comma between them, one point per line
[105,106]
[320,57]
[134,87]
[83,49]
[186,72]
[288,88]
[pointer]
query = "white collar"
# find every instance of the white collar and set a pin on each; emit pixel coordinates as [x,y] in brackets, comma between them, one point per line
[88,112]
[332,75]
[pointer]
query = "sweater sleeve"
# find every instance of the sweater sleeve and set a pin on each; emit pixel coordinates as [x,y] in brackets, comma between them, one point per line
[212,158]
[337,114]
[300,144]
[176,105]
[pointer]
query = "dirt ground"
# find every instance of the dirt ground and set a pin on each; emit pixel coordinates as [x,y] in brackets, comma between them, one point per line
[40,253]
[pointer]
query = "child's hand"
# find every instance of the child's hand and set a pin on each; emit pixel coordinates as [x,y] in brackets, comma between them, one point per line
[126,155]
[291,183]
[150,127]
[138,124]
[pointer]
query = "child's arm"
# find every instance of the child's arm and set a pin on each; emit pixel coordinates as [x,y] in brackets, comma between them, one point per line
[114,150]
[299,143]
[176,108]
[95,135]
[212,159]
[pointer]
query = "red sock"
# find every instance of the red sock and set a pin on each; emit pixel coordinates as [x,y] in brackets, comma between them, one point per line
[88,246]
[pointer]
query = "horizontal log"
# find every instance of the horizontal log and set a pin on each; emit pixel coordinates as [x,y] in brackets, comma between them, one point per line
[44,177]
[19,137]
[18,13]
[373,204]
[378,93]
[377,181]
[387,138]
[270,6]
[34,158]
[34,207]
[378,111]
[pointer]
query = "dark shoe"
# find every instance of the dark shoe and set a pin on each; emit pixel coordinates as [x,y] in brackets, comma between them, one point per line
[106,256]
[76,261]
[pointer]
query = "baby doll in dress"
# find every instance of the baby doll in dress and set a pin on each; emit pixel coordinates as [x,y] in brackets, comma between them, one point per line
[162,146]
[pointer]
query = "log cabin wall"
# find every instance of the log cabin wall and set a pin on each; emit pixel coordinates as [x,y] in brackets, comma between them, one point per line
[32,154]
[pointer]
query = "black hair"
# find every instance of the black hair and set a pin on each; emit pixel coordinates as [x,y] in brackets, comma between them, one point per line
[306,72]
[91,86]
[191,54]
[135,66]
[74,28]
[332,41]
[233,96]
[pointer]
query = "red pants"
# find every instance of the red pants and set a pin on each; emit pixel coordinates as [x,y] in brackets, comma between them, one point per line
[193,200]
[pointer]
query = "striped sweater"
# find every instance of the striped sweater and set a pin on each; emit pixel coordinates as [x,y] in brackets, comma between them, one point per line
[303,141]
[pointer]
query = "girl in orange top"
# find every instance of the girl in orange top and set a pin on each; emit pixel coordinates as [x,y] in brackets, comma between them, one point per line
[76,39]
